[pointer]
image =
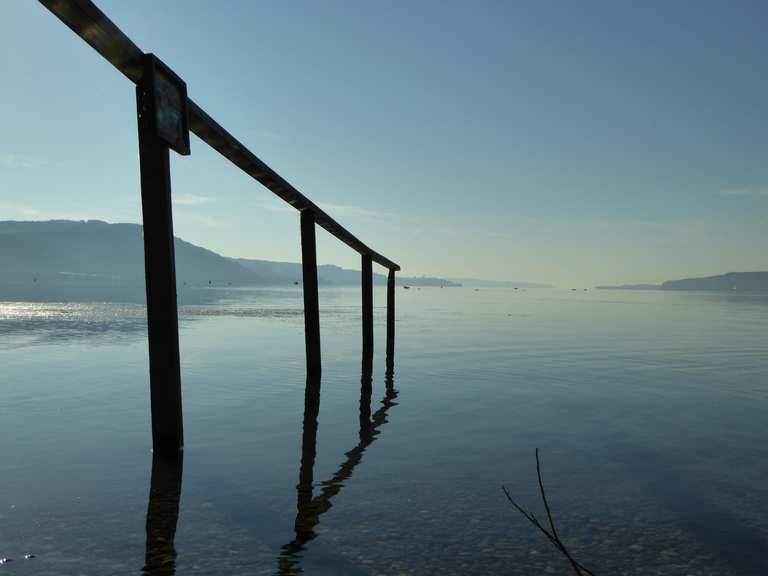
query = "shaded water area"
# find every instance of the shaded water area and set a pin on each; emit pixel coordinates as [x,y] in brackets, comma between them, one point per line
[647,409]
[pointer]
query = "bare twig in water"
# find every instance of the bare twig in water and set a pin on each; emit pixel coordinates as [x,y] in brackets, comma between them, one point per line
[551,534]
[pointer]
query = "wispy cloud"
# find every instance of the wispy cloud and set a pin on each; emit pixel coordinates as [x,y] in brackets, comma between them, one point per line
[275,206]
[190,199]
[187,218]
[336,211]
[15,210]
[347,211]
[753,192]
[23,162]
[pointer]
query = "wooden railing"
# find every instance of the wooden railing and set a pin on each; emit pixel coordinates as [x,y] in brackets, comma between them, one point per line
[165,117]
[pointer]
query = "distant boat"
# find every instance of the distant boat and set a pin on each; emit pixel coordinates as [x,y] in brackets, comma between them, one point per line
[406,287]
[296,283]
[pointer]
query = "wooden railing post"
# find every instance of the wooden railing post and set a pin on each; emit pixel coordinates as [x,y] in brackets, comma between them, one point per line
[311,304]
[366,393]
[367,288]
[163,513]
[308,453]
[390,320]
[159,261]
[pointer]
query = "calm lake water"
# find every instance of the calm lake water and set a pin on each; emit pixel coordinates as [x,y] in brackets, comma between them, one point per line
[648,409]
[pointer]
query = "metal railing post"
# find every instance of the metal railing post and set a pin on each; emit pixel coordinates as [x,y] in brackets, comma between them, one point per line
[367,288]
[311,305]
[160,270]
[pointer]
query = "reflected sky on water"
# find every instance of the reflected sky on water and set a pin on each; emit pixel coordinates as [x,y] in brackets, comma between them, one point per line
[646,407]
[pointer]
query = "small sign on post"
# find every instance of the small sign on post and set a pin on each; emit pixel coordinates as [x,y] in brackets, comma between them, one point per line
[166,104]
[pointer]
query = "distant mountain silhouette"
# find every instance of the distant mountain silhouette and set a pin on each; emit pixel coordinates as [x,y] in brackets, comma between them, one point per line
[479,283]
[95,251]
[745,281]
[107,260]
[331,275]
[739,281]
[631,287]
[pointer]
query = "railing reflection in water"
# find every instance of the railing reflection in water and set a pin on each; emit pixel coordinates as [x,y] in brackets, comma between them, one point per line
[163,514]
[165,485]
[309,508]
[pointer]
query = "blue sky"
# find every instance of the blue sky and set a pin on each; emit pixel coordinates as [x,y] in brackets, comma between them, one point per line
[569,142]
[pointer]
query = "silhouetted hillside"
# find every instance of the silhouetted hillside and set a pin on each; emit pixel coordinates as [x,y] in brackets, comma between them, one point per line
[740,281]
[288,272]
[332,275]
[631,287]
[95,251]
[744,281]
[102,260]
[480,283]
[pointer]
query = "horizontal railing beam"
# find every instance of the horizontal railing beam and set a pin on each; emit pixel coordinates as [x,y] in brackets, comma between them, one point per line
[208,130]
[93,26]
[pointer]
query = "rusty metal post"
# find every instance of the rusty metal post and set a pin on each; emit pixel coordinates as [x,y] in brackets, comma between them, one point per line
[390,319]
[367,286]
[311,304]
[160,269]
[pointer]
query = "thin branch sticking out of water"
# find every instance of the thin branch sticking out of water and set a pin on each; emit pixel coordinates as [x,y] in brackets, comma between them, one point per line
[551,534]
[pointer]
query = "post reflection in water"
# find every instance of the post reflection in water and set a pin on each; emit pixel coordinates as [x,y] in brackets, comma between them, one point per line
[163,514]
[309,508]
[165,484]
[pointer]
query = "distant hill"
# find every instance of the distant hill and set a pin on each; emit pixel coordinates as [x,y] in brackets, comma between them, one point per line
[478,283]
[95,251]
[743,281]
[422,281]
[631,287]
[739,281]
[104,260]
[331,275]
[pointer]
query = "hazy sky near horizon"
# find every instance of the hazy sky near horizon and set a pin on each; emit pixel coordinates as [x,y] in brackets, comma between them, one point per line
[576,143]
